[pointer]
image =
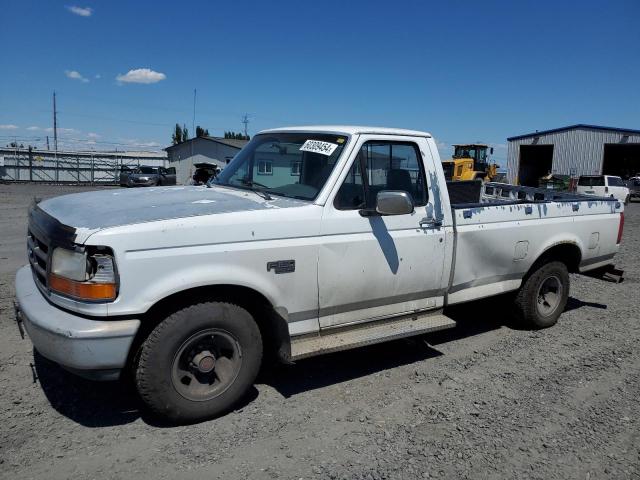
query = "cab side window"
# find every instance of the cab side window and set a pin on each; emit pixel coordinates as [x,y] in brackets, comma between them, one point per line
[387,166]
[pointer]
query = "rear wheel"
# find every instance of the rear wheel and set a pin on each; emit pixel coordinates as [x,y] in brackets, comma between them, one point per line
[199,362]
[543,295]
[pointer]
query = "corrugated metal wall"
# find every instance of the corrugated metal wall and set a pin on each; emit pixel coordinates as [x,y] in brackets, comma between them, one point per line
[74,167]
[581,149]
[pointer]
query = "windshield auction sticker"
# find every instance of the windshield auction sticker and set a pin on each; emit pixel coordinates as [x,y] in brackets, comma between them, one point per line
[316,146]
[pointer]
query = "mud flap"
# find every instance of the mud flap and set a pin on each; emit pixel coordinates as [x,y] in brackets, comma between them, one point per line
[608,273]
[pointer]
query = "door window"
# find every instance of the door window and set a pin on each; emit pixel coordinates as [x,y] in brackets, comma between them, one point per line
[615,182]
[386,166]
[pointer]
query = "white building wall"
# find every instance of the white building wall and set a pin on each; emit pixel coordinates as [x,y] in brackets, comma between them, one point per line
[185,155]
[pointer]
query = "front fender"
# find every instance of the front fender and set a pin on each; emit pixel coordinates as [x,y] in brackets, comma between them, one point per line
[139,295]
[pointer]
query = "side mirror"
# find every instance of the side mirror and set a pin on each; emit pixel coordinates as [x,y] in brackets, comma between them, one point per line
[491,150]
[394,202]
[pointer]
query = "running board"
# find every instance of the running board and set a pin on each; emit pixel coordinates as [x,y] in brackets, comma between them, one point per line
[368,333]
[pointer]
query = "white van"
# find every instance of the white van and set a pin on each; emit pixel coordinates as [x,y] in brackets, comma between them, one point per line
[603,186]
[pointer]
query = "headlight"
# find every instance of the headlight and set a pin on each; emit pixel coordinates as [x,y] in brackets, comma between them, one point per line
[83,276]
[69,264]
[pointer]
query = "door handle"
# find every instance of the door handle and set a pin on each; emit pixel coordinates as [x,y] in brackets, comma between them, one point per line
[427,222]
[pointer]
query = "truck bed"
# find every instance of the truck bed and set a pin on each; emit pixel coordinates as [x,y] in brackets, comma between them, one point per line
[502,229]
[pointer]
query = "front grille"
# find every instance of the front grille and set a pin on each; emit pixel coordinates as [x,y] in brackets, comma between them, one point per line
[38,253]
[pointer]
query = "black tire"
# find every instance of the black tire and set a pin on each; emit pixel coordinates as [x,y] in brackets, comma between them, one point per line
[534,305]
[165,356]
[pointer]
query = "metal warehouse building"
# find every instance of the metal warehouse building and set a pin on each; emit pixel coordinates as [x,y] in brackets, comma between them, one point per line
[574,150]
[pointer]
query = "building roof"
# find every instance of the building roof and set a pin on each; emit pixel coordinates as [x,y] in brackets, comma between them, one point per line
[350,130]
[229,142]
[574,127]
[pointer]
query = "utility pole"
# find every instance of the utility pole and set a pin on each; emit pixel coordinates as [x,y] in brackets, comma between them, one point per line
[55,124]
[245,120]
[55,135]
[193,122]
[47,142]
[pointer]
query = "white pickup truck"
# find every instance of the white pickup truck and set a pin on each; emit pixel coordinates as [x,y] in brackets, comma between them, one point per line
[313,239]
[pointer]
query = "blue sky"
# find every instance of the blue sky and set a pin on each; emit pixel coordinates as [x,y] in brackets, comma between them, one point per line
[465,71]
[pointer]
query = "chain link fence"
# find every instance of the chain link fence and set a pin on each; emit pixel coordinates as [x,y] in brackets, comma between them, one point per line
[21,165]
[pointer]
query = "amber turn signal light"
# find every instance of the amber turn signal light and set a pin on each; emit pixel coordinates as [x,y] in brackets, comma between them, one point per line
[82,290]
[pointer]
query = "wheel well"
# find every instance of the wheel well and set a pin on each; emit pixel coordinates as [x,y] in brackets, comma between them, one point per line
[273,328]
[567,253]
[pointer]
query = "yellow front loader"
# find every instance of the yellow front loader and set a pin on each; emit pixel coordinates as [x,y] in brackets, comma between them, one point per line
[470,162]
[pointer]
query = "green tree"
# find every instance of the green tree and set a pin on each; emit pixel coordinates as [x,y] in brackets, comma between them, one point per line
[185,133]
[176,136]
[236,136]
[202,132]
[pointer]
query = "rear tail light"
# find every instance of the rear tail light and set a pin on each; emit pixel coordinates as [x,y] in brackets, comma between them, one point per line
[620,228]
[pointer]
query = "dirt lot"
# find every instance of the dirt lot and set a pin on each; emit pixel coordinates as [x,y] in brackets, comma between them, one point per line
[485,400]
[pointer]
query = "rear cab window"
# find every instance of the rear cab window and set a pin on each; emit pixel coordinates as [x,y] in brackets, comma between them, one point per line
[591,181]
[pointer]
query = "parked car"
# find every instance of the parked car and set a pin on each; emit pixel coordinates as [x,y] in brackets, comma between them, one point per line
[347,239]
[204,172]
[145,176]
[634,188]
[125,171]
[603,186]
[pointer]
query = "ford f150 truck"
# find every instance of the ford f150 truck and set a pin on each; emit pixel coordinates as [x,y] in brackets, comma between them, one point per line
[313,239]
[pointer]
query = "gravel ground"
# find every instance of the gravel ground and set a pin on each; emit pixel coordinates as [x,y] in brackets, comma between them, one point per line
[484,400]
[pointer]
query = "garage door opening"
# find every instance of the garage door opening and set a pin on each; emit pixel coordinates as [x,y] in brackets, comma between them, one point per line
[535,162]
[621,160]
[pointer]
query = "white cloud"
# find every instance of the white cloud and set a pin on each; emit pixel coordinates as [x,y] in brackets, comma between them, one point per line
[33,128]
[62,130]
[75,75]
[81,11]
[8,127]
[137,143]
[93,135]
[141,75]
[98,76]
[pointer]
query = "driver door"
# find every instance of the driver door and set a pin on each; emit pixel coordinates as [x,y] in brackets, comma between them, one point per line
[376,266]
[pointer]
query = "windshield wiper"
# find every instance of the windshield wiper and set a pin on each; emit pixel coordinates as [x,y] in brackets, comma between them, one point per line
[259,191]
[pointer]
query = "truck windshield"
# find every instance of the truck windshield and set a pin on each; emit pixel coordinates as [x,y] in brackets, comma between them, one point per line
[294,165]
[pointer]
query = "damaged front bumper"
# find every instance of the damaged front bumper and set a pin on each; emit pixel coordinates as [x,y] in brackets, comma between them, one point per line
[95,349]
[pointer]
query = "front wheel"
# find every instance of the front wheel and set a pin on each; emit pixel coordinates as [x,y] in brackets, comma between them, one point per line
[199,362]
[543,295]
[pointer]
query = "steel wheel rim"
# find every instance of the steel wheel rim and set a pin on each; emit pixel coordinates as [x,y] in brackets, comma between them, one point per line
[206,365]
[549,295]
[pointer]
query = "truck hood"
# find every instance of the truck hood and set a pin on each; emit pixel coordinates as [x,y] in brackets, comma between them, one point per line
[92,211]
